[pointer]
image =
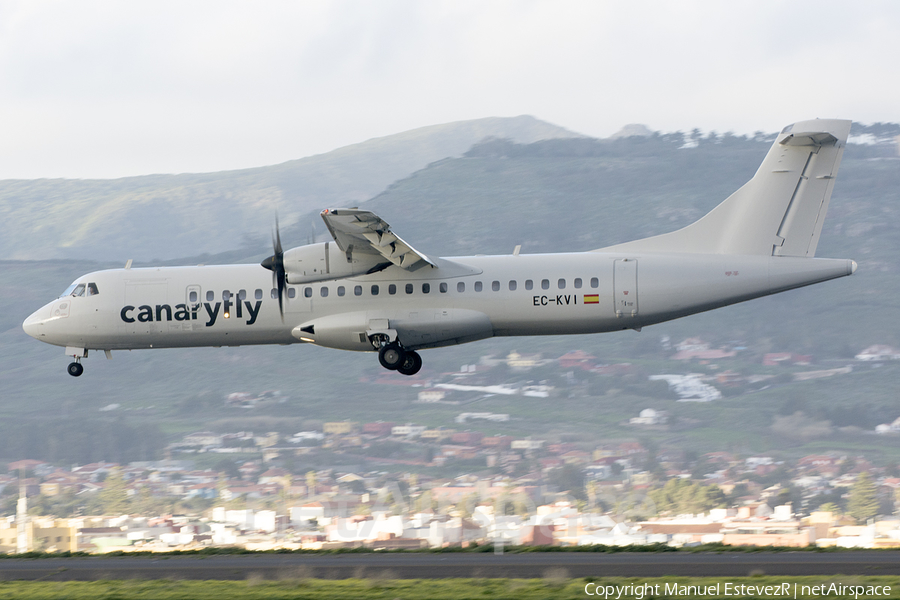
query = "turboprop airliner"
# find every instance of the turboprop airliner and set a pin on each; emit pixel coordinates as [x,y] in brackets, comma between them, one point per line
[369,290]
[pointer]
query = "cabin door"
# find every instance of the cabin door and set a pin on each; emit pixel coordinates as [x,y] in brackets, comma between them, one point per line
[625,287]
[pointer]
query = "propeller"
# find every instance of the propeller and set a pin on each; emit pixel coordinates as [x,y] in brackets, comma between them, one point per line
[275,263]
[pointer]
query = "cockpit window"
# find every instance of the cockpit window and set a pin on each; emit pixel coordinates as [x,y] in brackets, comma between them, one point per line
[79,289]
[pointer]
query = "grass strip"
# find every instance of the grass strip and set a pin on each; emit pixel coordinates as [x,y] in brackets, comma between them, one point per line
[551,587]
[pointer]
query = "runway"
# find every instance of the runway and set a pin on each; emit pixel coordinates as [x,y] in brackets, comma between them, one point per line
[427,565]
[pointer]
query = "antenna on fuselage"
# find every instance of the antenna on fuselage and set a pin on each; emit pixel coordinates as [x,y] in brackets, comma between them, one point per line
[128,263]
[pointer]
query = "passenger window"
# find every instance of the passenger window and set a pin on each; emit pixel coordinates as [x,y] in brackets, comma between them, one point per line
[192,297]
[292,292]
[258,294]
[274,294]
[545,284]
[211,295]
[92,289]
[461,287]
[357,291]
[577,283]
[242,294]
[477,286]
[374,290]
[495,285]
[426,287]
[443,288]
[529,284]
[340,290]
[307,292]
[561,283]
[324,292]
[595,282]
[409,288]
[392,289]
[226,295]
[512,285]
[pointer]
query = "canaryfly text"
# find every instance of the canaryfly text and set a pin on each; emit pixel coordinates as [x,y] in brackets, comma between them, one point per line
[163,312]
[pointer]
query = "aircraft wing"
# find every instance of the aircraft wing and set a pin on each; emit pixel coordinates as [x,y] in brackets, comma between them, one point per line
[361,231]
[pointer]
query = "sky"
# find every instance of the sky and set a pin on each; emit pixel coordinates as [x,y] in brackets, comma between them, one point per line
[95,89]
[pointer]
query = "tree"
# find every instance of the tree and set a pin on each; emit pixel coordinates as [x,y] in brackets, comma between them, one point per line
[831,507]
[114,496]
[680,496]
[863,502]
[569,478]
[310,484]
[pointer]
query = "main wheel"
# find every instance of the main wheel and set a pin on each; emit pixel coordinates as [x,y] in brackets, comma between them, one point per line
[391,356]
[412,362]
[75,369]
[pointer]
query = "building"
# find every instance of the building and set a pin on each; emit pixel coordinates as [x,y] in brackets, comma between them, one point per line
[378,428]
[650,416]
[339,427]
[774,359]
[408,430]
[527,444]
[431,395]
[202,438]
[577,360]
[522,362]
[878,352]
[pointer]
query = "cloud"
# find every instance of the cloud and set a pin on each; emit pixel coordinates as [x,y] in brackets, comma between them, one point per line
[108,89]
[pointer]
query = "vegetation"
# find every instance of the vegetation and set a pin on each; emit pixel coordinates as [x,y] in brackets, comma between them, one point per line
[683,496]
[863,503]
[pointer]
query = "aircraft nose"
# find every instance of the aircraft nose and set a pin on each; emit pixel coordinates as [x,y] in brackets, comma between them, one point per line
[34,324]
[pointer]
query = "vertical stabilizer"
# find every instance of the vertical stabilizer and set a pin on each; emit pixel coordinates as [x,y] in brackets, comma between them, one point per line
[777,213]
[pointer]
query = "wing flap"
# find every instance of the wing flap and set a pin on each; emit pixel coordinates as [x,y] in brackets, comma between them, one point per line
[362,231]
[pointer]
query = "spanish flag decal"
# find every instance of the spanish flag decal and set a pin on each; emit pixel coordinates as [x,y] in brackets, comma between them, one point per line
[592,299]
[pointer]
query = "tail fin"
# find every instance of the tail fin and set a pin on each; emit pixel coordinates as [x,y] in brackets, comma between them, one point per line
[777,213]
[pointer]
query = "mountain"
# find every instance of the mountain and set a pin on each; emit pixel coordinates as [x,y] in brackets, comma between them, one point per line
[169,216]
[551,195]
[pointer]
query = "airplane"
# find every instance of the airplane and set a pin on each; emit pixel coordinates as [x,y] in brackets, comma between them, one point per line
[369,290]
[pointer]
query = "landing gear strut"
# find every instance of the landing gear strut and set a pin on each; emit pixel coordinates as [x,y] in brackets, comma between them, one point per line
[75,369]
[393,357]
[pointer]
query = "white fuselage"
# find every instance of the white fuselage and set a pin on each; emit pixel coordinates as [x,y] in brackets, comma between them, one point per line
[463,299]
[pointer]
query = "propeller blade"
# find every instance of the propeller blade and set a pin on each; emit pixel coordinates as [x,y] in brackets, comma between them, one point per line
[275,263]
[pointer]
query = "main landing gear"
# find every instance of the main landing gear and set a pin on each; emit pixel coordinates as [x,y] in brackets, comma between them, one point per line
[394,357]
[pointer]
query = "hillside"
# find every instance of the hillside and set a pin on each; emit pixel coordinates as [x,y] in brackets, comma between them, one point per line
[573,195]
[554,195]
[169,216]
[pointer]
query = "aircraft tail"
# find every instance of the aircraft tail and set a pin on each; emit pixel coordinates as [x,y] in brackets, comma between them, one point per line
[777,213]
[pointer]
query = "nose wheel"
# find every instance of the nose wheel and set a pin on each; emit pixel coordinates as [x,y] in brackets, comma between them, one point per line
[75,369]
[395,358]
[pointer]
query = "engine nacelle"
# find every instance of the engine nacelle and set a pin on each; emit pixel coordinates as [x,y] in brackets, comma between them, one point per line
[325,261]
[432,328]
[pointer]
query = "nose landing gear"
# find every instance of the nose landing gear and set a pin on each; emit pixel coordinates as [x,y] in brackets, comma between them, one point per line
[75,369]
[394,357]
